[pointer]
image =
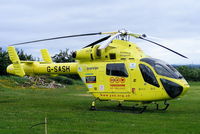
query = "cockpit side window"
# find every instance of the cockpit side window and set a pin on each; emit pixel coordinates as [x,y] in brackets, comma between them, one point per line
[116,69]
[163,71]
[167,70]
[148,75]
[175,71]
[163,68]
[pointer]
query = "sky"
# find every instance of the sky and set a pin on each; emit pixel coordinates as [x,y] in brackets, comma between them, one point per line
[174,23]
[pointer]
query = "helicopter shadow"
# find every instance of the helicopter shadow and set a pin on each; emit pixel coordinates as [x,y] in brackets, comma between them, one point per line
[129,109]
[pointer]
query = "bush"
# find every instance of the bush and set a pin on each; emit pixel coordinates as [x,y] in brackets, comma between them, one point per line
[19,80]
[73,76]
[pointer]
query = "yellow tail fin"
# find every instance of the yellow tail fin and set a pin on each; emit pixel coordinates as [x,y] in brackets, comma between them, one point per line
[46,56]
[18,69]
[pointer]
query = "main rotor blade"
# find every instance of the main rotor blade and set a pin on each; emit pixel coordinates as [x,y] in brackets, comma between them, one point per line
[98,41]
[55,38]
[107,42]
[163,47]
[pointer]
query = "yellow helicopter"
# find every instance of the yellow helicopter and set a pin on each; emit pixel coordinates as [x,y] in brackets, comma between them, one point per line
[116,70]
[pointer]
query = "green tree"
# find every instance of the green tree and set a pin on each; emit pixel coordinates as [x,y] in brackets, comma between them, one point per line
[63,56]
[4,61]
[191,74]
[24,56]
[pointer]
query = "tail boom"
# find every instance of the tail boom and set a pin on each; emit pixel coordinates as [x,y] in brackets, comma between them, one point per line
[47,66]
[40,68]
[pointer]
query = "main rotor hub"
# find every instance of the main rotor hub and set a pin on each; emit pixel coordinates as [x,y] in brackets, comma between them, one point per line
[123,31]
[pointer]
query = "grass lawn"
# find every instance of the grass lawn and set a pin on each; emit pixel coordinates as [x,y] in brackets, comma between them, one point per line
[67,112]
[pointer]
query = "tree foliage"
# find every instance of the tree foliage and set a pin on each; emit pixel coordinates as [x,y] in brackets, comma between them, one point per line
[63,56]
[189,73]
[4,61]
[24,56]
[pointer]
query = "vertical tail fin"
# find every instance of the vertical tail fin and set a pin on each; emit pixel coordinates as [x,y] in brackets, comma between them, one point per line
[18,69]
[46,56]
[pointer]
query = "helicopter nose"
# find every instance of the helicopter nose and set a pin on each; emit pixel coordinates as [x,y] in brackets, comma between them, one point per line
[175,89]
[186,86]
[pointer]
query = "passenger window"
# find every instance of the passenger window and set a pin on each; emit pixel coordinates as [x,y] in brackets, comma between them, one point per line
[148,75]
[117,69]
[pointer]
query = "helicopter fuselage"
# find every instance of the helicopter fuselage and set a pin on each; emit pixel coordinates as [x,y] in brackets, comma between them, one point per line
[120,72]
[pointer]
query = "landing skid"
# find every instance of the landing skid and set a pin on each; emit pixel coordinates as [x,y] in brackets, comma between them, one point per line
[163,109]
[135,109]
[138,108]
[120,108]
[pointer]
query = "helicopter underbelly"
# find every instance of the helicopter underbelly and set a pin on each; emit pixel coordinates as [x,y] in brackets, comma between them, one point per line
[130,96]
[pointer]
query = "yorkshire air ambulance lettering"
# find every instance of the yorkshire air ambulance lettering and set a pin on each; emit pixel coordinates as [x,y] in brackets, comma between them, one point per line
[63,69]
[117,82]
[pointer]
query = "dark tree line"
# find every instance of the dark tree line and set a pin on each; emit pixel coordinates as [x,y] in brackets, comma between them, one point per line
[189,73]
[4,61]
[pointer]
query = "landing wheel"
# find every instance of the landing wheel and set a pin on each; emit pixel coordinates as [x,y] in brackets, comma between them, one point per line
[93,107]
[119,105]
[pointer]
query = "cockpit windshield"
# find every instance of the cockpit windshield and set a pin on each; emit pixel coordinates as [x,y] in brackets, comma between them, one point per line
[163,68]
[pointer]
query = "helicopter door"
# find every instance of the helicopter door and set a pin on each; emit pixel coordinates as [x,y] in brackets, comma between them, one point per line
[101,78]
[117,77]
[150,88]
